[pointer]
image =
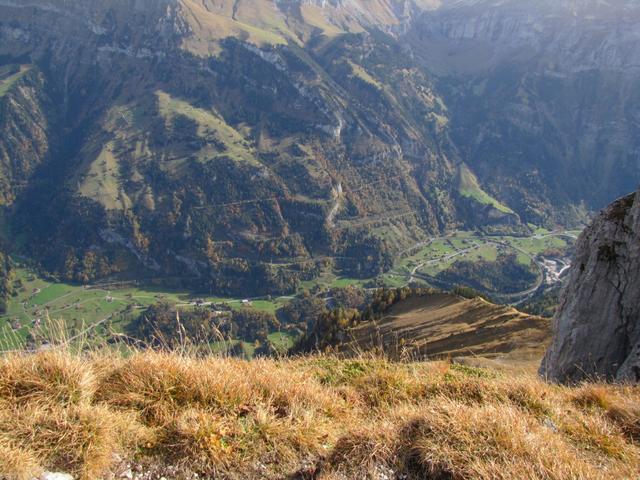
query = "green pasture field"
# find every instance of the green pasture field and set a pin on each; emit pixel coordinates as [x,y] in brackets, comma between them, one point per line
[74,308]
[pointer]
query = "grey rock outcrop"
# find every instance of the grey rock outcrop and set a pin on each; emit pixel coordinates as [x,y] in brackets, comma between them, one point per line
[597,327]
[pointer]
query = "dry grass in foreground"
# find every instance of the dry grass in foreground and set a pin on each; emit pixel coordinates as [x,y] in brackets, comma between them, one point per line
[315,417]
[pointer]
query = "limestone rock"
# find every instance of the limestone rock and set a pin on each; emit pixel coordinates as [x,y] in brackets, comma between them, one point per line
[55,476]
[597,327]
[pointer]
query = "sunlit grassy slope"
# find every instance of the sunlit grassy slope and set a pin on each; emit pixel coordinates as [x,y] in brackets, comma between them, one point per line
[102,182]
[470,187]
[210,126]
[8,81]
[316,417]
[443,325]
[264,22]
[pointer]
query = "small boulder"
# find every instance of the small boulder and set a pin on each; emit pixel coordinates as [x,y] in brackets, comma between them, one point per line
[55,476]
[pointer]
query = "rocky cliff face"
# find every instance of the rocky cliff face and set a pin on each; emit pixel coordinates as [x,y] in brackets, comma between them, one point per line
[597,328]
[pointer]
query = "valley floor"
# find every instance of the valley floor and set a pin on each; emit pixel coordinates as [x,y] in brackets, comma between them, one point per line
[95,310]
[544,251]
[100,415]
[66,311]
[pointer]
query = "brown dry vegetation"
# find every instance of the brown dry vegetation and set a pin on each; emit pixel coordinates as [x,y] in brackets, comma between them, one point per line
[443,325]
[314,417]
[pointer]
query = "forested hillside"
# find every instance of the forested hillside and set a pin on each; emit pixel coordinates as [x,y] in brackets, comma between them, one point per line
[248,146]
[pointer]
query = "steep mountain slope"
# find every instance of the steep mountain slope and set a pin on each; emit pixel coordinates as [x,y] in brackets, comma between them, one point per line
[541,96]
[210,165]
[597,328]
[26,114]
[241,145]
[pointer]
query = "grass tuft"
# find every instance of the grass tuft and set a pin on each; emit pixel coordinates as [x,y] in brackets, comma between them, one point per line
[310,417]
[48,378]
[620,405]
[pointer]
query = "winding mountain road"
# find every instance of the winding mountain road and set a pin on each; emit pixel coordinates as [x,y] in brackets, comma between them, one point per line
[516,298]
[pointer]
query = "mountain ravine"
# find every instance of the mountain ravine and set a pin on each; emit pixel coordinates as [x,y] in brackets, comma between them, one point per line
[244,145]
